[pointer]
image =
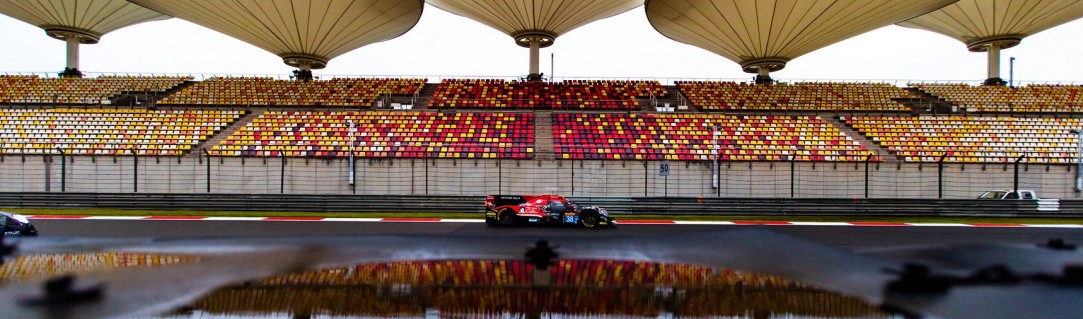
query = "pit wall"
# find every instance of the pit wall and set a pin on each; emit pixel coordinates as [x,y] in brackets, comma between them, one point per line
[480,177]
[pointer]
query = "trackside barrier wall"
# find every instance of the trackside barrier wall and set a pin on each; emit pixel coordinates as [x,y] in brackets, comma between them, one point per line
[264,175]
[475,204]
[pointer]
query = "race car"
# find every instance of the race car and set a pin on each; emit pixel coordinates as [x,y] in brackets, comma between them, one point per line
[509,210]
[16,225]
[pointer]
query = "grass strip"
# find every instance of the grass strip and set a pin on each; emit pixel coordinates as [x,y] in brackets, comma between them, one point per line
[900,219]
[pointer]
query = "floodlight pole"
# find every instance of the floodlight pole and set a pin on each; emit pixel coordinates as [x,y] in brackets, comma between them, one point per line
[208,155]
[1015,183]
[714,144]
[1011,71]
[1079,160]
[353,138]
[63,168]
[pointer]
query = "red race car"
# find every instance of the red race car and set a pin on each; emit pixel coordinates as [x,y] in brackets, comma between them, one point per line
[510,210]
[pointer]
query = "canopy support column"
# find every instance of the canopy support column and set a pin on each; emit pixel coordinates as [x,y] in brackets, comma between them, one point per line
[535,51]
[71,69]
[764,75]
[993,65]
[304,72]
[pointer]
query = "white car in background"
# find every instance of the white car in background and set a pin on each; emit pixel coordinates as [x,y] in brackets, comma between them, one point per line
[16,225]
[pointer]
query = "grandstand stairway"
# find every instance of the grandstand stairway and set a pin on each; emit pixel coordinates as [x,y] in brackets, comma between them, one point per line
[935,104]
[543,135]
[673,97]
[144,99]
[425,96]
[861,139]
[252,115]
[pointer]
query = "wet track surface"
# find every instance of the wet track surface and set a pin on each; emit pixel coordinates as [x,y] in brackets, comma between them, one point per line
[848,237]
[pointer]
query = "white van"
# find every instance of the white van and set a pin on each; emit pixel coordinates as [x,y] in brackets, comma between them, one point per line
[1009,194]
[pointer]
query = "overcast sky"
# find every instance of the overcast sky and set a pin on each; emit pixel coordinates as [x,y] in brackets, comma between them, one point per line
[624,46]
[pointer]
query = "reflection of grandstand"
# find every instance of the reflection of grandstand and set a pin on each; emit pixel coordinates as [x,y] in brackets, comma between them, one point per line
[36,267]
[493,288]
[572,273]
[728,301]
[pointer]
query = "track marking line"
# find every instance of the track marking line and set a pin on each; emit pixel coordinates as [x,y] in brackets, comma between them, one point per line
[410,220]
[115,217]
[175,218]
[1052,225]
[878,224]
[820,224]
[462,221]
[347,219]
[753,222]
[234,218]
[294,219]
[692,222]
[57,217]
[995,225]
[644,222]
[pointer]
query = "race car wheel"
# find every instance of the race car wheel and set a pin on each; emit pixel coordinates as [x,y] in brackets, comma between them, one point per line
[29,231]
[506,218]
[589,219]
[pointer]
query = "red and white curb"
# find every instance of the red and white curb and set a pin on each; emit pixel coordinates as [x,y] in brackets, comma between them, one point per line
[619,222]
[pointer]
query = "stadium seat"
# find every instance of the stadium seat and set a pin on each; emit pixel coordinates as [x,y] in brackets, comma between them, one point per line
[20,89]
[109,131]
[382,134]
[687,137]
[963,139]
[1029,99]
[249,91]
[807,96]
[570,94]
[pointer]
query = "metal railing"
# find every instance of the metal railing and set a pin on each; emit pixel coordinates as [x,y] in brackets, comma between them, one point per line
[628,178]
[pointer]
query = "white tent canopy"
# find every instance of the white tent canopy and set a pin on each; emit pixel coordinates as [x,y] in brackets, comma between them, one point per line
[763,35]
[991,25]
[78,22]
[536,23]
[305,33]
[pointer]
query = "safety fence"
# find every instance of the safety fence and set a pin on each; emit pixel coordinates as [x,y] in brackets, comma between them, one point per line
[616,205]
[391,176]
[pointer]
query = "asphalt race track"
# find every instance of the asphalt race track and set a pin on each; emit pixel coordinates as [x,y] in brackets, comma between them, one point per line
[848,237]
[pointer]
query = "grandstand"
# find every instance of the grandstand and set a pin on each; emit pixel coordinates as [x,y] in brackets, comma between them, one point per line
[811,96]
[549,123]
[563,134]
[689,137]
[570,94]
[31,89]
[338,92]
[98,131]
[384,134]
[999,99]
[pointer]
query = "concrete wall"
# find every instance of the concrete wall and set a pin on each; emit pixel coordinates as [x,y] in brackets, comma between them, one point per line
[477,177]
